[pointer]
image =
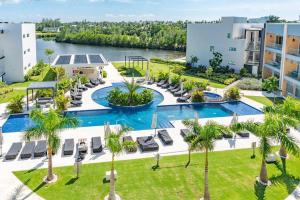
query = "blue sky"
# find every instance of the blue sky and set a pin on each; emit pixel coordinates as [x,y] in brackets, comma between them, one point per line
[134,10]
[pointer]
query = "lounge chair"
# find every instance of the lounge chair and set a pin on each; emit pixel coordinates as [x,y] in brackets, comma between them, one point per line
[165,137]
[44,100]
[179,93]
[131,148]
[160,83]
[150,82]
[183,99]
[184,132]
[76,103]
[89,85]
[227,135]
[101,81]
[165,86]
[76,97]
[243,134]
[172,87]
[96,145]
[83,88]
[68,148]
[175,89]
[28,150]
[40,149]
[82,146]
[95,82]
[14,151]
[147,143]
[79,91]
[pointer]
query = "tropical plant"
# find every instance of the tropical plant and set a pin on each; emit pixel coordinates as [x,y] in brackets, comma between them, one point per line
[243,71]
[175,79]
[64,84]
[232,93]
[49,53]
[84,79]
[61,101]
[116,146]
[198,96]
[132,88]
[209,72]
[178,69]
[194,60]
[104,74]
[47,126]
[204,139]
[163,75]
[60,72]
[272,86]
[16,104]
[216,61]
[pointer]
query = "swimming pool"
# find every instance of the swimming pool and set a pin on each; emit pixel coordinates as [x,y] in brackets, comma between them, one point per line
[140,119]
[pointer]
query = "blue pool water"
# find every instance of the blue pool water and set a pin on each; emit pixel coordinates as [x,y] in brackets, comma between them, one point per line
[140,119]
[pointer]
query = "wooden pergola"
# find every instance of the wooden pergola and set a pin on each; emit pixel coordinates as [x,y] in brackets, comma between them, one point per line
[137,59]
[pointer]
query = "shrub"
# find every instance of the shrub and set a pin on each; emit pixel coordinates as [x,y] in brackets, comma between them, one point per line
[175,79]
[84,79]
[16,104]
[45,93]
[163,75]
[232,93]
[201,85]
[243,71]
[104,74]
[188,85]
[59,72]
[130,146]
[64,84]
[169,62]
[61,101]
[198,96]
[179,70]
[229,81]
[250,84]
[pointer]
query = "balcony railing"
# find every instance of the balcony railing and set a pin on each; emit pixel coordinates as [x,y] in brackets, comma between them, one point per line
[295,75]
[294,52]
[274,64]
[274,46]
[253,46]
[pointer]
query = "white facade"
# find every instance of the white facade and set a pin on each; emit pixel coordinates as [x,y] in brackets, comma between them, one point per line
[227,37]
[17,50]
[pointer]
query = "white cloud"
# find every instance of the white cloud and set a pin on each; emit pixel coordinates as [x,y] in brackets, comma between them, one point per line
[9,1]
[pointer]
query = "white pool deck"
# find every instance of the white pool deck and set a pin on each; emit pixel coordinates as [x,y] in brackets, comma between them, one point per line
[12,188]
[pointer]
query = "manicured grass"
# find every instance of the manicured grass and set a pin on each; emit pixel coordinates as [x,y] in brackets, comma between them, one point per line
[231,176]
[8,97]
[155,68]
[267,101]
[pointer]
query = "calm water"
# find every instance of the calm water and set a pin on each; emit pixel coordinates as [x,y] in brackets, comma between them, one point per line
[110,53]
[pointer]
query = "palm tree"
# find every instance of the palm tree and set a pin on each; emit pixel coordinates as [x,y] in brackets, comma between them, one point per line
[272,85]
[115,145]
[48,126]
[132,88]
[49,53]
[204,140]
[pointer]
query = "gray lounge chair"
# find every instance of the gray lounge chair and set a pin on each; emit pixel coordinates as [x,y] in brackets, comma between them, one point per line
[95,82]
[89,85]
[68,149]
[28,150]
[184,132]
[227,135]
[76,103]
[162,82]
[40,149]
[172,87]
[165,137]
[183,99]
[96,145]
[243,134]
[14,151]
[147,143]
[179,93]
[165,86]
[175,90]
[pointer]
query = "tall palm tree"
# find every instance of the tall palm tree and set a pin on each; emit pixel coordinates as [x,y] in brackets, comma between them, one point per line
[204,139]
[115,145]
[272,85]
[132,88]
[284,116]
[48,126]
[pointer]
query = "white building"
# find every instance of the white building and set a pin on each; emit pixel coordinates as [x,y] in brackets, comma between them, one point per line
[238,41]
[17,50]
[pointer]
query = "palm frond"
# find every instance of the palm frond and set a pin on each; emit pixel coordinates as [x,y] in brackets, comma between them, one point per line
[35,132]
[265,147]
[290,144]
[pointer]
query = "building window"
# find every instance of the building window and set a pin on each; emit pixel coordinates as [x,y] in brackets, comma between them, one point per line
[212,48]
[29,64]
[231,62]
[279,39]
[28,50]
[23,35]
[24,52]
[297,93]
[27,34]
[25,68]
[228,35]
[232,49]
[289,88]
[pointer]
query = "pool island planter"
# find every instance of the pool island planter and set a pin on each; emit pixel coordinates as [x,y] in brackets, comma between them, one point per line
[130,107]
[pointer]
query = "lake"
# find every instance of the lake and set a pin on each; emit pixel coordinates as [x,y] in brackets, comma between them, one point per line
[110,53]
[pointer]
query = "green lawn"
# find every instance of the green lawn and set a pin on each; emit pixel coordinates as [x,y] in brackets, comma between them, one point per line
[155,68]
[267,101]
[231,176]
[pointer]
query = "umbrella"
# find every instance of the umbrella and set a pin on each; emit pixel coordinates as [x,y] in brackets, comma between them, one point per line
[170,80]
[154,122]
[107,131]
[100,74]
[234,119]
[79,83]
[75,89]
[181,88]
[196,117]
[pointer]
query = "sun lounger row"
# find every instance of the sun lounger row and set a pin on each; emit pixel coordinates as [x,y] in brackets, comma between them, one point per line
[68,147]
[30,149]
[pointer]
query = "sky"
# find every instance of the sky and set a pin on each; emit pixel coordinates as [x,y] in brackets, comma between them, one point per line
[135,10]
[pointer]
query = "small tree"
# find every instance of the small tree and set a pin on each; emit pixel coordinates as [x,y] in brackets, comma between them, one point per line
[272,86]
[194,60]
[16,104]
[216,60]
[116,146]
[49,53]
[232,93]
[209,71]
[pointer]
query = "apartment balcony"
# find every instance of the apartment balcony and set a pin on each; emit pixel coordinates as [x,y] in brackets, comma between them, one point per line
[253,46]
[274,46]
[293,54]
[274,65]
[295,75]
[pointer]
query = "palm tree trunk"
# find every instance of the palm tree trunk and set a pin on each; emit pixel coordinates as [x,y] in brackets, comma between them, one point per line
[206,191]
[263,172]
[50,170]
[112,193]
[189,159]
[282,151]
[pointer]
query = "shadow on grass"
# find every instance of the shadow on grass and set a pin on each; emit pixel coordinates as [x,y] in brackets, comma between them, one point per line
[104,181]
[72,181]
[174,166]
[259,191]
[290,181]
[41,185]
[34,168]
